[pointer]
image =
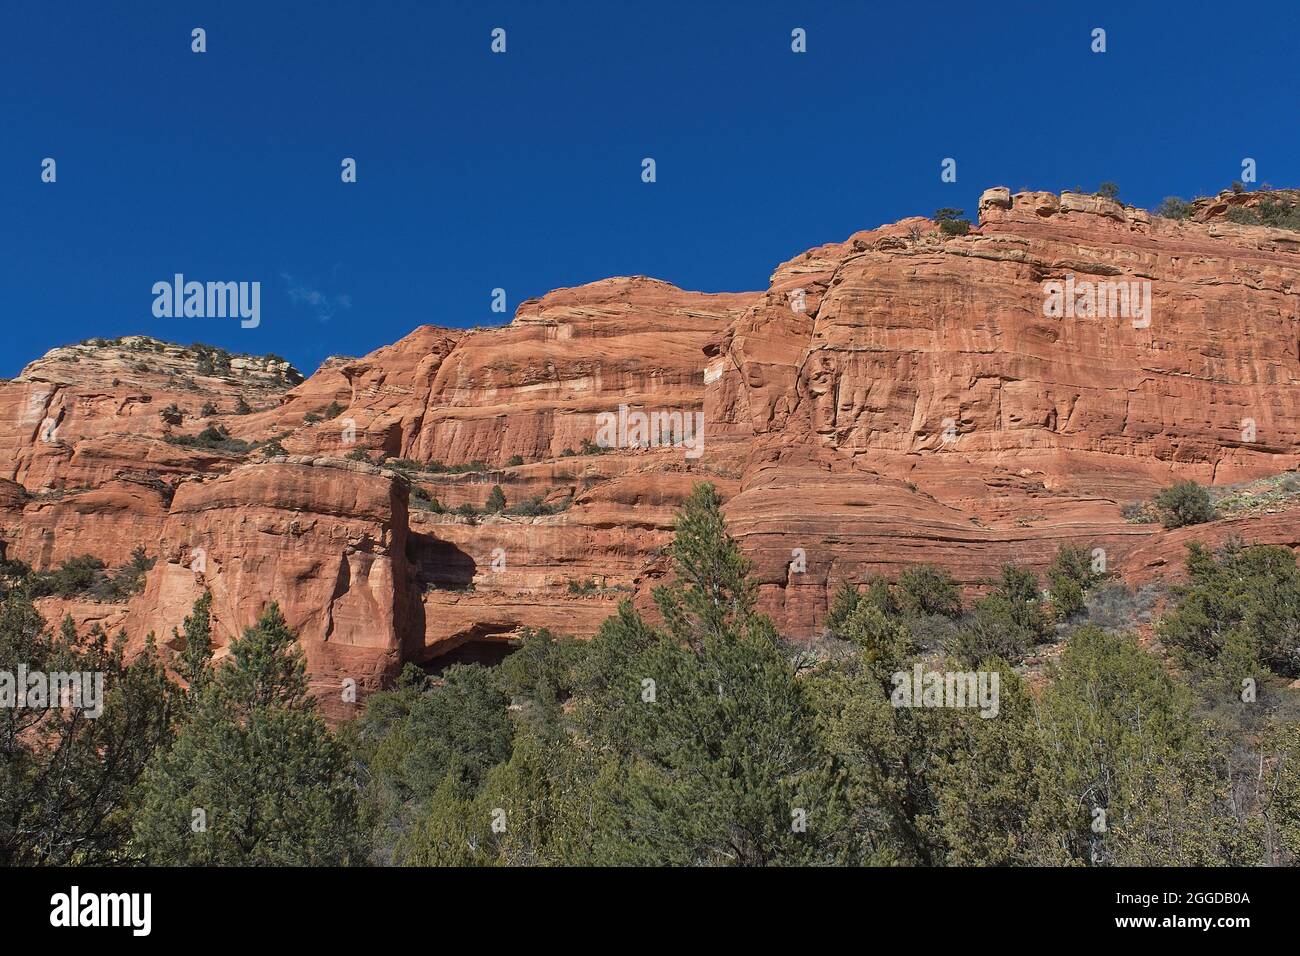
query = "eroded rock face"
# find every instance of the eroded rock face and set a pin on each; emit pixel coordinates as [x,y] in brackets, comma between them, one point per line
[566,572]
[926,406]
[109,521]
[900,397]
[326,539]
[385,395]
[535,387]
[88,413]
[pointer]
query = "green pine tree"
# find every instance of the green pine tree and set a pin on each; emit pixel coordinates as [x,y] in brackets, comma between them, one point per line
[254,777]
[65,776]
[418,737]
[709,738]
[193,662]
[712,592]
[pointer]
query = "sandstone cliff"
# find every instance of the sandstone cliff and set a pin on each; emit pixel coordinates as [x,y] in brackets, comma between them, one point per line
[899,397]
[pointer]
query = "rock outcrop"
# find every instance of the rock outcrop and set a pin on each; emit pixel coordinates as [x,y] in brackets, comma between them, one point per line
[903,396]
[326,539]
[923,404]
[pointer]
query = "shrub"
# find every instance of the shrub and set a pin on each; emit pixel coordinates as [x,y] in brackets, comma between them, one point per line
[437,467]
[1174,208]
[1279,213]
[242,407]
[1115,607]
[1184,503]
[843,605]
[515,461]
[990,632]
[496,500]
[1243,216]
[536,506]
[926,589]
[85,575]
[332,410]
[128,580]
[1108,190]
[421,498]
[932,632]
[403,464]
[1070,577]
[358,454]
[1006,623]
[1246,599]
[209,409]
[214,438]
[172,415]
[74,576]
[951,222]
[1139,512]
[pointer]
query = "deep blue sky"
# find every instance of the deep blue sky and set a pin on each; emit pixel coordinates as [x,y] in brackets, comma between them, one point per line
[523,170]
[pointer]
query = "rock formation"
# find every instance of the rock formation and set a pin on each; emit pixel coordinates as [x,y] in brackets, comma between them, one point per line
[900,397]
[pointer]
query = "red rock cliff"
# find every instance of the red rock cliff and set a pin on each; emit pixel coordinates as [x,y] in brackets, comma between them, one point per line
[902,396]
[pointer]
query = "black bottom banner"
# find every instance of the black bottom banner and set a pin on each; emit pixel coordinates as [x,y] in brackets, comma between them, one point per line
[357,905]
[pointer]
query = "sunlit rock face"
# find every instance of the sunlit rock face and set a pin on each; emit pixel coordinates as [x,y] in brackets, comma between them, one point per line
[903,396]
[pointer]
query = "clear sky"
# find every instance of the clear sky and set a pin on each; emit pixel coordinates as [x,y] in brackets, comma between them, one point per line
[522,170]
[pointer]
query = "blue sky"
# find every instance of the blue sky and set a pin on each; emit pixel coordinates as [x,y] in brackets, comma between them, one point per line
[523,170]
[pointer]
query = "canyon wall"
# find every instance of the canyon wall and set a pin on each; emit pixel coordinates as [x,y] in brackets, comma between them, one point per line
[900,397]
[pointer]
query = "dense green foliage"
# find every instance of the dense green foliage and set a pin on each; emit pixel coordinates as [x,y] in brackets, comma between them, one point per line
[699,737]
[86,576]
[926,589]
[1240,613]
[253,776]
[1072,574]
[705,740]
[419,734]
[66,776]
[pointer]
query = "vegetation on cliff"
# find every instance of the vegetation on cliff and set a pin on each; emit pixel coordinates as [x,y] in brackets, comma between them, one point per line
[702,738]
[707,741]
